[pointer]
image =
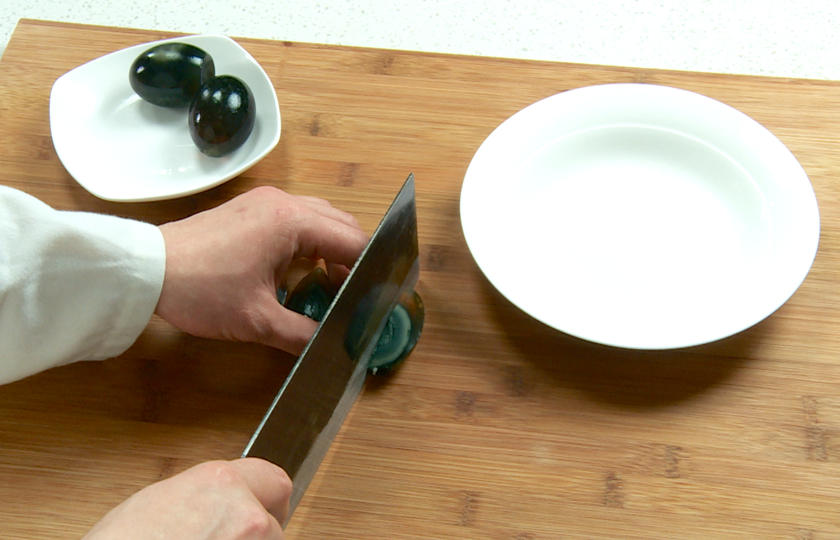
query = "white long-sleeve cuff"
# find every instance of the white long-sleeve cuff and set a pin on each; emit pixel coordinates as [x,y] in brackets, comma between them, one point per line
[73,285]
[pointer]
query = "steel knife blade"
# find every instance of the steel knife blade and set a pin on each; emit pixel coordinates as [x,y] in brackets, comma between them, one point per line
[316,397]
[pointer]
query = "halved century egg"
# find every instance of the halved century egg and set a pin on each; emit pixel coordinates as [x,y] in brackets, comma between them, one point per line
[314,294]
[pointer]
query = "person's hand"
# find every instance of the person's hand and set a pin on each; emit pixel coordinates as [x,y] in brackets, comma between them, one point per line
[224,266]
[218,500]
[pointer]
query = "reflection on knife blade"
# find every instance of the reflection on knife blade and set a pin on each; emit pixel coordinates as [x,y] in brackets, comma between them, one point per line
[313,402]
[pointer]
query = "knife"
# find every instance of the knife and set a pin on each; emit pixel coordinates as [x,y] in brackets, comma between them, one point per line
[316,397]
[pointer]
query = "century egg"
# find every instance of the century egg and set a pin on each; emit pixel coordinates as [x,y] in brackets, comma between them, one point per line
[314,294]
[400,335]
[222,115]
[170,74]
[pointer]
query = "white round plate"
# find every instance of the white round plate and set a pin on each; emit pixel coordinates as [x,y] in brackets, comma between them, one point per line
[121,148]
[640,216]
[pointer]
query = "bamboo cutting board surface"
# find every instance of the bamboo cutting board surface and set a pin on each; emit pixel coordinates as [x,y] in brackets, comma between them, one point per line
[496,427]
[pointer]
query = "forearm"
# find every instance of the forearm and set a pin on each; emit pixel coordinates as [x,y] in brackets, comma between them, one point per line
[73,286]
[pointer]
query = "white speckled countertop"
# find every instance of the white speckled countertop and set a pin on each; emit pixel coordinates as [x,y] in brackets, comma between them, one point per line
[788,38]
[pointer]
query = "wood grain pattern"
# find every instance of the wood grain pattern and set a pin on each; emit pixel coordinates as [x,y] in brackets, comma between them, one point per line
[496,427]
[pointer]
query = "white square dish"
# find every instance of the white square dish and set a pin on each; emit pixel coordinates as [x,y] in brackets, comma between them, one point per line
[121,148]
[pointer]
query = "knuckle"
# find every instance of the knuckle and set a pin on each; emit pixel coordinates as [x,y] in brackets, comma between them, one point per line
[256,522]
[220,473]
[269,197]
[266,191]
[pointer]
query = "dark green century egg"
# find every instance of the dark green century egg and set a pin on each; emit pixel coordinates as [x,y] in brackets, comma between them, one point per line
[313,295]
[222,115]
[170,74]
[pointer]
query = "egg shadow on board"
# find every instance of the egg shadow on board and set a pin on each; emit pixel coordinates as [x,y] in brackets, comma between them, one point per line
[633,379]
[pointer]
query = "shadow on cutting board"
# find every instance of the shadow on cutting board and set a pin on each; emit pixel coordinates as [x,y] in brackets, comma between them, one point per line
[628,378]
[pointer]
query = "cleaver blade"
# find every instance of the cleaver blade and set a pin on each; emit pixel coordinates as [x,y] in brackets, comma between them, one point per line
[305,416]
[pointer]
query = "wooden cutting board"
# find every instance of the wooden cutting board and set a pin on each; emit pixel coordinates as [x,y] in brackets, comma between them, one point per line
[496,427]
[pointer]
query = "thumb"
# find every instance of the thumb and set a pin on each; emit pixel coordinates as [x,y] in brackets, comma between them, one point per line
[283,328]
[269,483]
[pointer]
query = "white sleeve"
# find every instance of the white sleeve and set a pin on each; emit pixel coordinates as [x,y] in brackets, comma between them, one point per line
[73,285]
